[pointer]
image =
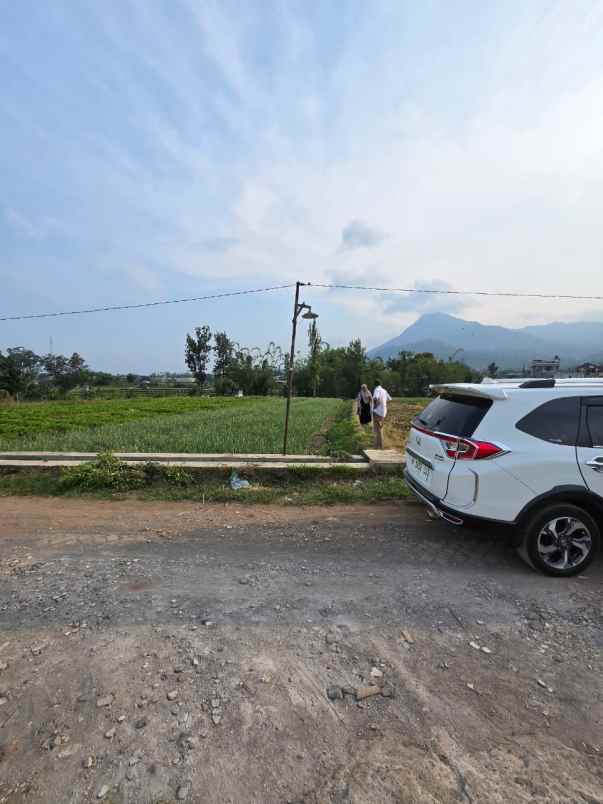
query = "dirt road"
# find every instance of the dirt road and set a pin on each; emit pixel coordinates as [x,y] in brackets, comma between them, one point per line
[165,652]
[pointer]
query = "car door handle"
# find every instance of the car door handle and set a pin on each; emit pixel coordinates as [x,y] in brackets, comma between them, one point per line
[596,463]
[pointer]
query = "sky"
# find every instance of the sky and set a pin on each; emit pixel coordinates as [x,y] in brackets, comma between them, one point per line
[160,149]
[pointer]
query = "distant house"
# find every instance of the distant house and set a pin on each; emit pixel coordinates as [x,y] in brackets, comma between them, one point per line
[590,370]
[545,368]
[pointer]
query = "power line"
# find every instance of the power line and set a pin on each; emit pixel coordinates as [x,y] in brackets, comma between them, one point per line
[147,304]
[514,295]
[436,291]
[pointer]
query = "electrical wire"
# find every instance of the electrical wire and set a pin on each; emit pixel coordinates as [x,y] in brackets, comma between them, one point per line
[146,304]
[230,294]
[504,294]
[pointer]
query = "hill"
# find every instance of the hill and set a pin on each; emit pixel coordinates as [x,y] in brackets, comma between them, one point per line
[479,344]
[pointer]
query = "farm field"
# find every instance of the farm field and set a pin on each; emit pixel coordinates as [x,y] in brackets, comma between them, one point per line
[401,411]
[175,424]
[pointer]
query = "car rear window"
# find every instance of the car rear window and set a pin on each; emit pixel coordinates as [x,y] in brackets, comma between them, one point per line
[454,415]
[556,421]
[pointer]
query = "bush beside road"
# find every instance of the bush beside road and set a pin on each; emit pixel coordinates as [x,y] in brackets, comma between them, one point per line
[293,486]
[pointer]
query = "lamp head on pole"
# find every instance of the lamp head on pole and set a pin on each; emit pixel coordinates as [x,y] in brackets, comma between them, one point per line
[308,315]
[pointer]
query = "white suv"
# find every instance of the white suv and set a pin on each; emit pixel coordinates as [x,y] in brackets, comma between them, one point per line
[527,453]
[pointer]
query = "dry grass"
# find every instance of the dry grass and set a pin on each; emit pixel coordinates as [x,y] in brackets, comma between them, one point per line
[399,416]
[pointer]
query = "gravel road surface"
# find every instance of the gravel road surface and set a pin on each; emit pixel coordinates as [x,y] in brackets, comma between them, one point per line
[159,652]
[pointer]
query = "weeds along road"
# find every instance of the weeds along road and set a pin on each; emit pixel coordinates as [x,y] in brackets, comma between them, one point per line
[164,652]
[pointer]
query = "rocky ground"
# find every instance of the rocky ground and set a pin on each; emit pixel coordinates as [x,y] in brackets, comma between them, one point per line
[174,652]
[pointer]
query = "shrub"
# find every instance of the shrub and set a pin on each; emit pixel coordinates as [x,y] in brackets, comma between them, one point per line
[106,472]
[174,475]
[225,387]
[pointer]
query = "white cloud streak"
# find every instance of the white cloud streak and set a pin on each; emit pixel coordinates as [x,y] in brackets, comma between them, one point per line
[276,142]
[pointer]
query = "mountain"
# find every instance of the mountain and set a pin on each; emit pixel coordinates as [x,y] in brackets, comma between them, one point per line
[479,344]
[578,333]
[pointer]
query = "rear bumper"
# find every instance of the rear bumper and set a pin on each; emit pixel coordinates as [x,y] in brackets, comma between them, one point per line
[432,503]
[438,510]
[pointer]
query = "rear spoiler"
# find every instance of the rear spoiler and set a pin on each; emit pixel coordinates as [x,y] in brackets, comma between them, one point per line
[486,391]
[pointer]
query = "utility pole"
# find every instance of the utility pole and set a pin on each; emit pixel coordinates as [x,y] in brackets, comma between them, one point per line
[290,372]
[297,308]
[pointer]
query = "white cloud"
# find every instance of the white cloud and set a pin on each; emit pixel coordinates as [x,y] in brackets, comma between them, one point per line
[357,234]
[247,154]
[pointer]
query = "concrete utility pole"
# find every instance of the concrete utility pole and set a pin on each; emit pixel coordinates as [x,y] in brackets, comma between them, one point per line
[297,308]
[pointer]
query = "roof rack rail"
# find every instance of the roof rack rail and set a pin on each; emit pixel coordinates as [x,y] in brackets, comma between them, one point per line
[547,382]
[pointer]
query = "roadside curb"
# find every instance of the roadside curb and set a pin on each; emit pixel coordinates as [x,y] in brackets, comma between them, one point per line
[175,458]
[385,460]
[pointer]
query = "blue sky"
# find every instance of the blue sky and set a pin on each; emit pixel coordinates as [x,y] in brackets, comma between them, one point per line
[155,150]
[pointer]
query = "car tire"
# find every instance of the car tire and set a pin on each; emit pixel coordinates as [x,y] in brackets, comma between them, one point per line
[560,539]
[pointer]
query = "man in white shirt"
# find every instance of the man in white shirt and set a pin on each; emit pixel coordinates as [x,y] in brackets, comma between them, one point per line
[380,400]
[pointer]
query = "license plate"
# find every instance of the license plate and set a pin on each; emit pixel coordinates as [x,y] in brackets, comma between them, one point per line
[421,469]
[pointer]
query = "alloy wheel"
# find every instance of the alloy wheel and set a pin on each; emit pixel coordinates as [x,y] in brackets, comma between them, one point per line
[564,543]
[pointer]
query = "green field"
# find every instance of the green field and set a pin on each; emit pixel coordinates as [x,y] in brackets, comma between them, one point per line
[174,424]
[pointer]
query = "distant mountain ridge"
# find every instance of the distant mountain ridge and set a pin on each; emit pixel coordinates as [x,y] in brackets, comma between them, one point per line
[479,344]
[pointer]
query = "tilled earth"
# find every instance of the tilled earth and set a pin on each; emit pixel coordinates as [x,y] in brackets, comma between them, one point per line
[164,652]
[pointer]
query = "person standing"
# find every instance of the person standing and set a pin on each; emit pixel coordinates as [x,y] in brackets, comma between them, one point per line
[364,402]
[380,400]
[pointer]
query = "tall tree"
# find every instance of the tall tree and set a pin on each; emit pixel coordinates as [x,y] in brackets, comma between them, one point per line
[66,373]
[492,369]
[354,363]
[223,350]
[19,369]
[315,343]
[196,353]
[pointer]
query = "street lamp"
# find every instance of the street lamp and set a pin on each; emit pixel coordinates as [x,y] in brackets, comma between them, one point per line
[309,316]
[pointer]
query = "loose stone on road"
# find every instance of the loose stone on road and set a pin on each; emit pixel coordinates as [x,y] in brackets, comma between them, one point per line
[367,650]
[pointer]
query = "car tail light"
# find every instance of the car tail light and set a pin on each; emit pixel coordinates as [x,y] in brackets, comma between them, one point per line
[461,449]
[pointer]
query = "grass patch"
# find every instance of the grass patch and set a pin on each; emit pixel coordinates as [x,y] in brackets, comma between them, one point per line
[109,478]
[109,473]
[346,436]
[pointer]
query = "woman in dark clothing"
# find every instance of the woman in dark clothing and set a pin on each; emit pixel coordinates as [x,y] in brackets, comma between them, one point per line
[364,402]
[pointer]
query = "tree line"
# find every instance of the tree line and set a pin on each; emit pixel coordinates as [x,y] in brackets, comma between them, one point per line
[25,374]
[323,371]
[234,368]
[222,366]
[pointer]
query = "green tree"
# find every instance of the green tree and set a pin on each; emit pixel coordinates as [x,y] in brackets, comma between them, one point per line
[102,378]
[251,372]
[19,370]
[66,373]
[315,344]
[416,372]
[352,369]
[223,350]
[492,369]
[196,353]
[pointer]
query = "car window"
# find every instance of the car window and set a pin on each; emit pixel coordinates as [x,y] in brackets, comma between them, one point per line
[454,415]
[594,423]
[556,421]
